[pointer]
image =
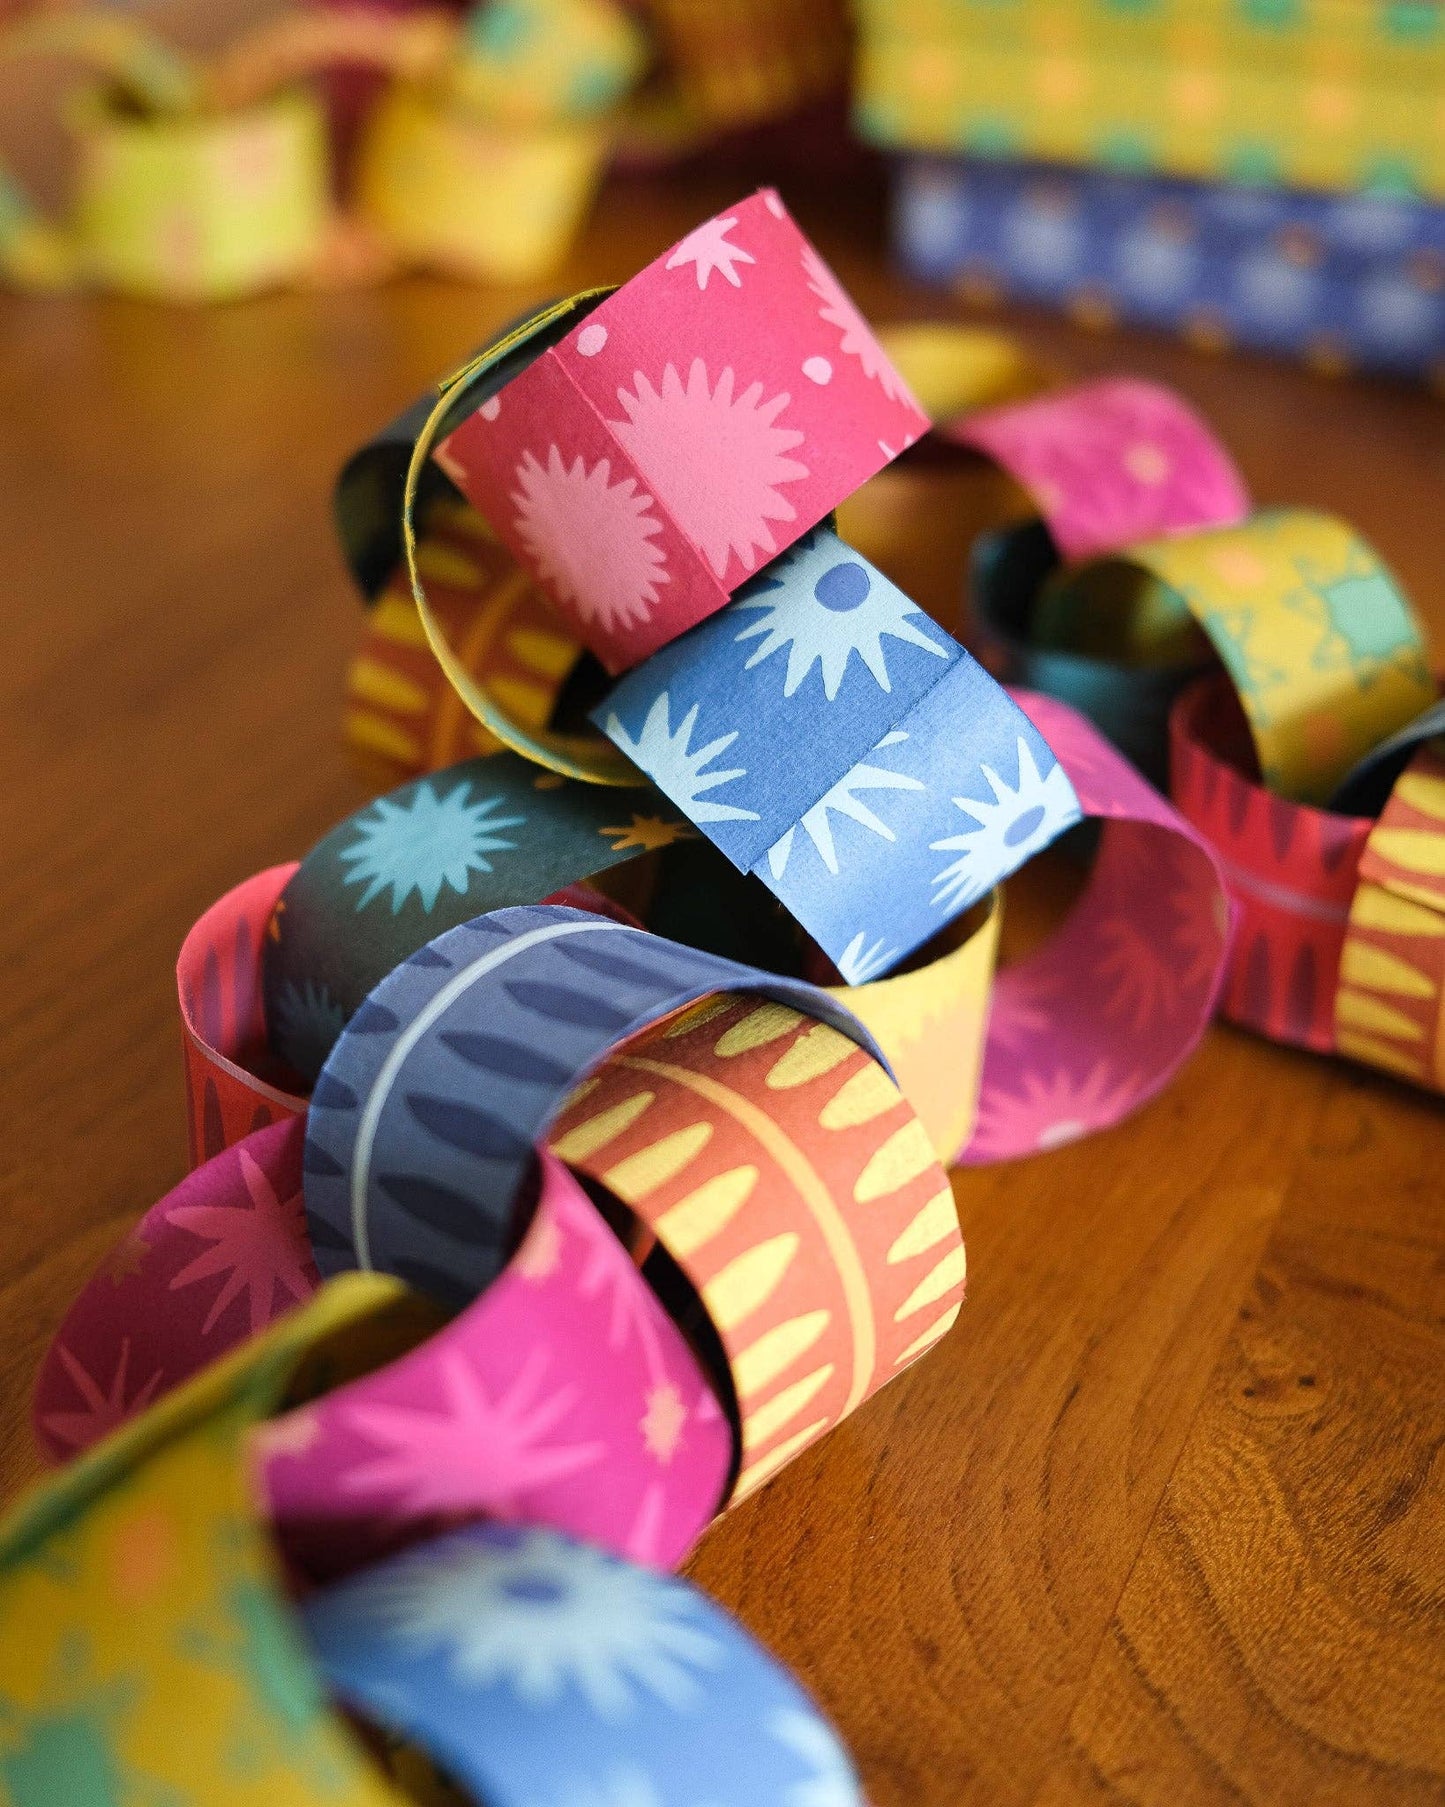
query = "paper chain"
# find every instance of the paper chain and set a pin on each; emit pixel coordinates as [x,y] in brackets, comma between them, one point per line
[647,1212]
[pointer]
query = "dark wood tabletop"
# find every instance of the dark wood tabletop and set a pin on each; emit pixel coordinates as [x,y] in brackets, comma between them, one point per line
[1163,1519]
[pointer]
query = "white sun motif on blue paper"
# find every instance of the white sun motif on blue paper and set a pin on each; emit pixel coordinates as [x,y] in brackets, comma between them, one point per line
[848,609]
[1021,819]
[426,843]
[678,769]
[863,959]
[843,800]
[541,1616]
[833,1782]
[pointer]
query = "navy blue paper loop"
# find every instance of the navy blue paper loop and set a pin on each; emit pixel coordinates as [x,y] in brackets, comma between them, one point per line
[539,1672]
[420,1136]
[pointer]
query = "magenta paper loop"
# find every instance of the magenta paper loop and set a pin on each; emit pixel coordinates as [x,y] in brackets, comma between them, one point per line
[692,426]
[1109,462]
[564,1396]
[1100,1018]
[214,1261]
[223,1023]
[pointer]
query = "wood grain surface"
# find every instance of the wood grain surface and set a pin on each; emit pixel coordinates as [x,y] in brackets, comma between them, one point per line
[1163,1520]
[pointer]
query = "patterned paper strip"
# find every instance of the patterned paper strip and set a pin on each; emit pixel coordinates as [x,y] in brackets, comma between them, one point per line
[422,1126]
[695,424]
[148,1639]
[782,761]
[1110,462]
[1291,871]
[739,62]
[786,1174]
[1390,1005]
[1324,649]
[1098,1019]
[479,836]
[233,1084]
[538,1670]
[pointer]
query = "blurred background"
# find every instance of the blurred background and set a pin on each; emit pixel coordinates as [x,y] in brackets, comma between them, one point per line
[1265,174]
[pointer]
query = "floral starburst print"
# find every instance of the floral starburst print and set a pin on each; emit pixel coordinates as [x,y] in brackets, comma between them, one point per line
[831,1781]
[426,843]
[663,1421]
[678,769]
[1140,986]
[717,460]
[429,1460]
[1021,819]
[843,799]
[544,1617]
[258,1248]
[708,251]
[855,335]
[102,1408]
[305,1024]
[1051,1109]
[847,610]
[863,959]
[593,540]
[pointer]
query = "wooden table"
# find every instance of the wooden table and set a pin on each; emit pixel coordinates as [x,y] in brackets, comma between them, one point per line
[1163,1520]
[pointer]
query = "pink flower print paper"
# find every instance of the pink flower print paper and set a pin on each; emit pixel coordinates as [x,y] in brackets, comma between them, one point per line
[690,428]
[564,1396]
[1110,462]
[213,1262]
[1096,1021]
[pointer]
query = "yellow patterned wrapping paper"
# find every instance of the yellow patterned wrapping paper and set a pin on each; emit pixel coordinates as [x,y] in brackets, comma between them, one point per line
[456,195]
[1334,94]
[150,1658]
[1324,649]
[196,206]
[739,62]
[542,62]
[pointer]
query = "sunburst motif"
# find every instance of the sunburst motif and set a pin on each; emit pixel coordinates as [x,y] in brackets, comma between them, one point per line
[824,608]
[542,1616]
[257,1247]
[677,769]
[645,833]
[426,843]
[843,800]
[863,959]
[102,1408]
[663,1421]
[593,540]
[1051,1109]
[856,336]
[432,1461]
[831,1781]
[717,461]
[1021,819]
[707,249]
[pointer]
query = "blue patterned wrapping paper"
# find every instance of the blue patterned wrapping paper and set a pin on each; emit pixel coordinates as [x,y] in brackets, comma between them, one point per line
[422,1129]
[830,738]
[543,1673]
[1355,280]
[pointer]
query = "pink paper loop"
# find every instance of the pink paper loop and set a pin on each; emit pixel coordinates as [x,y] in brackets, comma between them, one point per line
[692,426]
[1110,462]
[1100,1018]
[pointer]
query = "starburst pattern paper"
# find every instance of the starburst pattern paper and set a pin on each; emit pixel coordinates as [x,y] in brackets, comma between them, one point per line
[564,1397]
[478,836]
[537,1667]
[732,396]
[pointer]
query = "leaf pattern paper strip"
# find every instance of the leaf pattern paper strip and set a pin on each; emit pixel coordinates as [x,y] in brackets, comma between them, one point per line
[1325,651]
[223,1023]
[421,1133]
[785,1173]
[1390,1004]
[1291,871]
[690,428]
[213,1262]
[478,836]
[1098,1019]
[149,1649]
[402,717]
[826,735]
[563,1397]
[542,1673]
[1110,462]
